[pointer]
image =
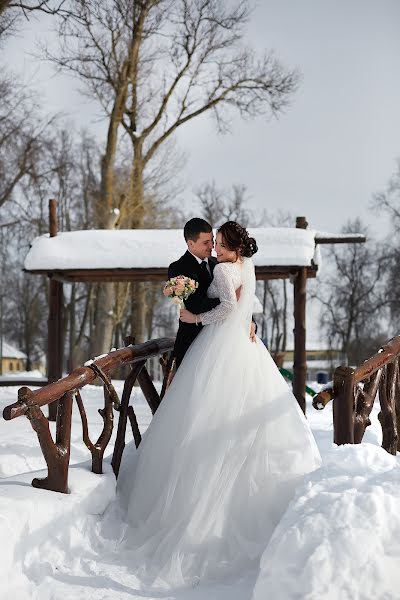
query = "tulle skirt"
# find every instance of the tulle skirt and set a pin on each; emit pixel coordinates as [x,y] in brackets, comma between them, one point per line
[218,464]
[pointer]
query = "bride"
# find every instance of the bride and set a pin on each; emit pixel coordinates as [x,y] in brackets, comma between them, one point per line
[222,456]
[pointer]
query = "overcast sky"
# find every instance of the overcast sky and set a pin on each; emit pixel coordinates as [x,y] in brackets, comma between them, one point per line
[338,141]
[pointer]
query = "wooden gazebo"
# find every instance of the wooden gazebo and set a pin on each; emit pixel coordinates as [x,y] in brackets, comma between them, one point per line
[93,256]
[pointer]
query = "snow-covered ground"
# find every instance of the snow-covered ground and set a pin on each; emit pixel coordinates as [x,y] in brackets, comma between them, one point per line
[338,540]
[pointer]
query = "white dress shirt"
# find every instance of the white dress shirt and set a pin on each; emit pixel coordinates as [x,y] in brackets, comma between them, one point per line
[200,260]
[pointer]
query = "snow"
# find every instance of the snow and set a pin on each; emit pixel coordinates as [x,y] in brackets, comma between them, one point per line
[37,525]
[328,365]
[148,248]
[33,376]
[257,306]
[324,235]
[19,448]
[313,344]
[9,351]
[338,540]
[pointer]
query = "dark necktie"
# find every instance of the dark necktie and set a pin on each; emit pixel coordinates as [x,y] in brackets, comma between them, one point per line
[203,266]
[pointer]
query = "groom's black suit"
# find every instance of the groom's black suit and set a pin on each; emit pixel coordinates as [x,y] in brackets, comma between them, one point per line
[197,303]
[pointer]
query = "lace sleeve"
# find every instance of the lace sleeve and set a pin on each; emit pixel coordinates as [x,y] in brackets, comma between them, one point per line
[226,292]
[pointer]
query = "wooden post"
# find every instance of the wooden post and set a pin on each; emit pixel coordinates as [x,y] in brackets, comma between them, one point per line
[148,389]
[300,362]
[123,416]
[387,399]
[364,403]
[343,405]
[54,339]
[56,454]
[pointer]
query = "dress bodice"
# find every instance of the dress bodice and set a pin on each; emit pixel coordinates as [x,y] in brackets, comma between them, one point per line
[227,279]
[233,277]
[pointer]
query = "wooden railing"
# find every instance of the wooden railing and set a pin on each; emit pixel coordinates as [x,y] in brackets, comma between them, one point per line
[57,453]
[354,392]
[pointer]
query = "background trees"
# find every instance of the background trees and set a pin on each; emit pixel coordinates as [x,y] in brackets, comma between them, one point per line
[388,201]
[152,66]
[353,298]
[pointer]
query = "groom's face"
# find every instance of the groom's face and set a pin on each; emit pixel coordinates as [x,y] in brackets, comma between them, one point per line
[203,246]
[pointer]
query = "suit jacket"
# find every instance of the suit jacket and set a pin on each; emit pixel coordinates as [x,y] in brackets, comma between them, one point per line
[197,303]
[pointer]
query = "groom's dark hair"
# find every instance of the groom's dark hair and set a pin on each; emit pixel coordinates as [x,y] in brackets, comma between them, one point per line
[195,227]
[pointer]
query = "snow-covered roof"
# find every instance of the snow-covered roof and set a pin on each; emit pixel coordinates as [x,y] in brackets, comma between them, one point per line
[9,351]
[150,248]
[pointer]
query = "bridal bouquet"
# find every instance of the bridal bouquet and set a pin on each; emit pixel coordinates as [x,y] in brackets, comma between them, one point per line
[179,289]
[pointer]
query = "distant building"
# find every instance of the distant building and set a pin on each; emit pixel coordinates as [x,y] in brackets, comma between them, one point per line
[12,359]
[321,361]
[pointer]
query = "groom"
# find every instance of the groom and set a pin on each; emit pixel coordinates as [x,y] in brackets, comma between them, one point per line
[198,264]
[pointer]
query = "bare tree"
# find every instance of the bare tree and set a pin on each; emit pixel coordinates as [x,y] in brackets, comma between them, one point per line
[65,167]
[274,326]
[275,308]
[45,6]
[22,133]
[154,66]
[12,12]
[388,202]
[218,205]
[352,296]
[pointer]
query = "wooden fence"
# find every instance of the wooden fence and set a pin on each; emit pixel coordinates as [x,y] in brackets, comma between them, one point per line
[354,391]
[57,453]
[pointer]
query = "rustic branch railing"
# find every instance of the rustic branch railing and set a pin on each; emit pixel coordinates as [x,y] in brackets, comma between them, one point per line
[354,392]
[57,453]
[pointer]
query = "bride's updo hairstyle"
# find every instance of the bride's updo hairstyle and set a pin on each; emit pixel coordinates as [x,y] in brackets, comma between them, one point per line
[237,239]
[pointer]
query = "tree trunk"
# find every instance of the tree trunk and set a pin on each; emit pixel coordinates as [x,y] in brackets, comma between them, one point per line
[136,195]
[138,312]
[136,218]
[104,326]
[108,160]
[105,318]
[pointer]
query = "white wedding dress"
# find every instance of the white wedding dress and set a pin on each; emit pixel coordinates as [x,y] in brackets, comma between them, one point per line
[222,456]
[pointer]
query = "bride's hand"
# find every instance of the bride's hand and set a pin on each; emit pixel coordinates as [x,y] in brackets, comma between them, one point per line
[187,317]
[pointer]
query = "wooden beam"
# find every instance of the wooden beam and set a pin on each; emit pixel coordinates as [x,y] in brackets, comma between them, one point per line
[39,382]
[268,273]
[340,239]
[157,274]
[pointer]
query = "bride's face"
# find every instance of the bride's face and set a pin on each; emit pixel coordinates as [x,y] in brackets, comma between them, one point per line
[223,252]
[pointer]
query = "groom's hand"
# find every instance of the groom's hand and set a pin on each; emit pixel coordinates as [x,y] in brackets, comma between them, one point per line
[187,317]
[253,336]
